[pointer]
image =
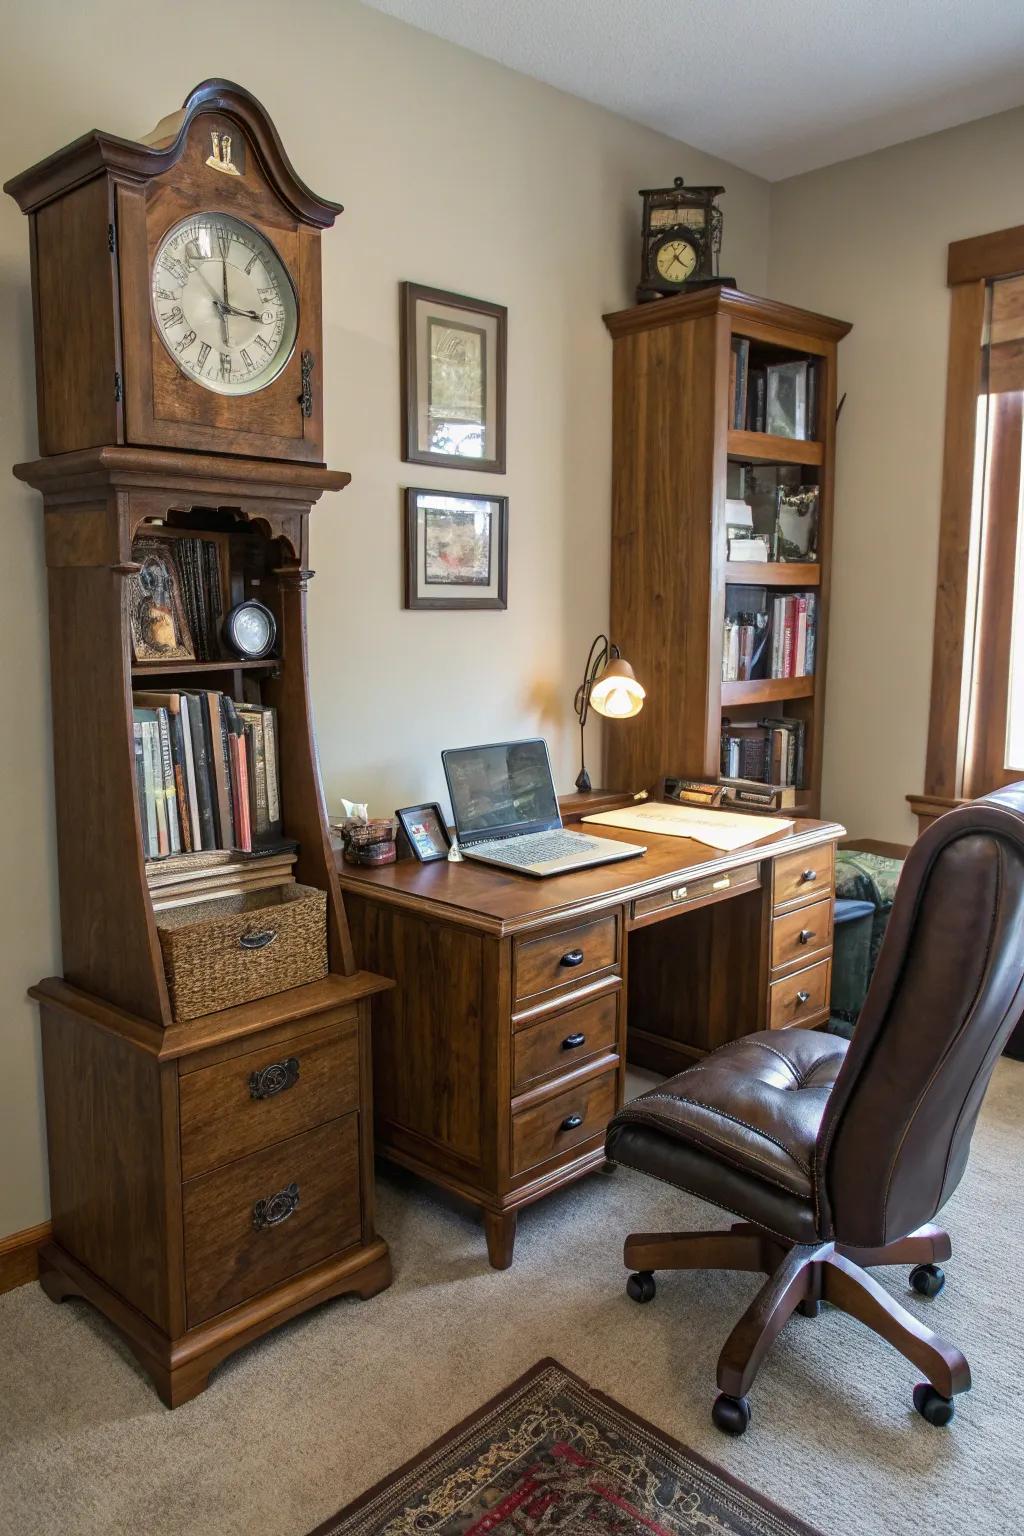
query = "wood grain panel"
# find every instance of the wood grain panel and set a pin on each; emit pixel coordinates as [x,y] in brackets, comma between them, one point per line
[221,1120]
[999,254]
[565,1039]
[547,1130]
[559,959]
[697,893]
[801,998]
[798,878]
[227,1259]
[798,936]
[19,1256]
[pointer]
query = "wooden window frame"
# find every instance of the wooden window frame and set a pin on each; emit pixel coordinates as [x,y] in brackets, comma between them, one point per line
[971,265]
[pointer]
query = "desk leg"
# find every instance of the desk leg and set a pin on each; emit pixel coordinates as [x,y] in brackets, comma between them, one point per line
[500,1227]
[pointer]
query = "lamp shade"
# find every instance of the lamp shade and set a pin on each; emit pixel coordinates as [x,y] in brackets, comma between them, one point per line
[616,693]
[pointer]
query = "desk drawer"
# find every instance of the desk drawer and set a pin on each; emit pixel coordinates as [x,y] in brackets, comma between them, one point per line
[803,877]
[798,936]
[256,1222]
[562,1122]
[565,1040]
[698,893]
[802,997]
[250,1101]
[557,959]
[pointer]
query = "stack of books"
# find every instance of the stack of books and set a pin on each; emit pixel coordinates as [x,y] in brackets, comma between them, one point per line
[182,879]
[207,773]
[764,751]
[794,626]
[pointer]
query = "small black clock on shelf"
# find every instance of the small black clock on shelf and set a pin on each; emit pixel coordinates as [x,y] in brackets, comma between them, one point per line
[250,630]
[680,241]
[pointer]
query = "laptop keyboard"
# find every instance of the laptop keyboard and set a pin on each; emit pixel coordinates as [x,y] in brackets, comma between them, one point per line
[536,847]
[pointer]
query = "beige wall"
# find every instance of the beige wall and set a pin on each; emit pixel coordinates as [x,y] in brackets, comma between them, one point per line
[866,240]
[454,172]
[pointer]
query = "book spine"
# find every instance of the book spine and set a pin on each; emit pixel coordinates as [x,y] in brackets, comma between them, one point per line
[190,774]
[201,758]
[155,785]
[184,818]
[801,635]
[273,771]
[812,633]
[140,780]
[243,789]
[798,770]
[167,776]
[787,638]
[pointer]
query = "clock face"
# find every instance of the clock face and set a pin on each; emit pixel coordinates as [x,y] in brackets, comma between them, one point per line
[676,260]
[251,629]
[224,303]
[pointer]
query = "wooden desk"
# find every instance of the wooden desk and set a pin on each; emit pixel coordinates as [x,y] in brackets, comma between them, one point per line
[500,1056]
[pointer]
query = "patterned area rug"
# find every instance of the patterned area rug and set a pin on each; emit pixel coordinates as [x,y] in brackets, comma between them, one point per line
[552,1455]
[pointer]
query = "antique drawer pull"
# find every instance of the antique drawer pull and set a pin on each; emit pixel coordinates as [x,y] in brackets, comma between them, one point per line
[275,1078]
[571,1042]
[571,1122]
[572,957]
[803,997]
[808,875]
[679,894]
[805,935]
[258,940]
[720,885]
[277,1208]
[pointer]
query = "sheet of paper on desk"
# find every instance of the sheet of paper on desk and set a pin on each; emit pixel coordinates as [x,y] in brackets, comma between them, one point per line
[724,830]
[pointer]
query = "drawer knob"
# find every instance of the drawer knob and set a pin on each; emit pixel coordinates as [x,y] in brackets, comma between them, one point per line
[278,1077]
[572,957]
[276,1208]
[720,885]
[803,997]
[571,1122]
[808,875]
[806,935]
[573,1042]
[258,940]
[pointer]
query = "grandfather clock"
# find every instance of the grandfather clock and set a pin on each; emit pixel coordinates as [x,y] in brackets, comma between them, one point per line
[208,1178]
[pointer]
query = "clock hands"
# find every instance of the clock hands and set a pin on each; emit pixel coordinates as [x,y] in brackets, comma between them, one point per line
[224,309]
[229,309]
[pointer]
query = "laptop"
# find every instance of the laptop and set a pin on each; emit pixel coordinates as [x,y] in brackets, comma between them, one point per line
[506,812]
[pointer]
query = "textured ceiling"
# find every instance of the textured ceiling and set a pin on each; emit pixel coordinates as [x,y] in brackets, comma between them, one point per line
[775,86]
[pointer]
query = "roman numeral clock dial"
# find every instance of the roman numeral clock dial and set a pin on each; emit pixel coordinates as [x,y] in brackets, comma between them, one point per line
[224,304]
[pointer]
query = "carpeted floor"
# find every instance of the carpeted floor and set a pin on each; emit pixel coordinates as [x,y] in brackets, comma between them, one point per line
[294,1427]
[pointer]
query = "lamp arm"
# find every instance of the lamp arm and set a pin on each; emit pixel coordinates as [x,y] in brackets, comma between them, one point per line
[601,652]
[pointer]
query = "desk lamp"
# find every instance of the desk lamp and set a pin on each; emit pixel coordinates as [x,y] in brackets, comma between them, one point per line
[610,686]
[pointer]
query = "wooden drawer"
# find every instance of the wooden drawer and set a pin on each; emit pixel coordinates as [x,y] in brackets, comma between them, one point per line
[563,1121]
[565,1039]
[803,877]
[698,893]
[250,1101]
[798,936]
[801,996]
[559,958]
[256,1222]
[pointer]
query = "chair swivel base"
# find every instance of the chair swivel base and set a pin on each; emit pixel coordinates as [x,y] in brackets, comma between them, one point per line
[801,1276]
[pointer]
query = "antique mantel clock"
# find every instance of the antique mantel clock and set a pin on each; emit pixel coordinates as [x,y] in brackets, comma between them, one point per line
[680,240]
[177,286]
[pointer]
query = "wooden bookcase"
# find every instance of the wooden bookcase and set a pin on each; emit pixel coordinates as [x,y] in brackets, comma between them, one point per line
[159,1147]
[672,444]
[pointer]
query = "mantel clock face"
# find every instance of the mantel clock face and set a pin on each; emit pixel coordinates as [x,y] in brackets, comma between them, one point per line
[223,303]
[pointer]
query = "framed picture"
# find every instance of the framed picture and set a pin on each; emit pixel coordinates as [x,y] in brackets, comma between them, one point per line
[456,550]
[424,827]
[160,630]
[453,380]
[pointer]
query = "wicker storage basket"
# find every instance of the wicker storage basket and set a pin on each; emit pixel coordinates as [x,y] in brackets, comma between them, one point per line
[221,953]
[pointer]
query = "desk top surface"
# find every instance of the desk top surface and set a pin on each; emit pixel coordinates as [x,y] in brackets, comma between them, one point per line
[499,901]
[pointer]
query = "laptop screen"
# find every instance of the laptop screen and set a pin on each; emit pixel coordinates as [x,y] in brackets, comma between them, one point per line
[501,789]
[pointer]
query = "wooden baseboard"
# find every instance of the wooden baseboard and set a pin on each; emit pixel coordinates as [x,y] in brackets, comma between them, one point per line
[19,1256]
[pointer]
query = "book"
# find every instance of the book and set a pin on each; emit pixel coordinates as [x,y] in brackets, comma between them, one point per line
[738,366]
[168,707]
[757,396]
[201,762]
[220,777]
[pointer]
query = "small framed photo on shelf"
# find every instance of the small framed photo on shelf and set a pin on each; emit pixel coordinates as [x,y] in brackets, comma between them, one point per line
[425,831]
[160,630]
[456,550]
[796,523]
[453,380]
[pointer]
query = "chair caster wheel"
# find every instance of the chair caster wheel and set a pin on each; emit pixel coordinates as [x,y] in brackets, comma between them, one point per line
[809,1308]
[731,1414]
[931,1405]
[641,1287]
[927,1279]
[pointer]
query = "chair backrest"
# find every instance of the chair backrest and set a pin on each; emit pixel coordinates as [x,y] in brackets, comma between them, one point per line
[946,994]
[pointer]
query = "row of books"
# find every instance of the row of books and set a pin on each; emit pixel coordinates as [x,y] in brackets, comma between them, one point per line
[183,879]
[774,642]
[207,773]
[780,398]
[765,751]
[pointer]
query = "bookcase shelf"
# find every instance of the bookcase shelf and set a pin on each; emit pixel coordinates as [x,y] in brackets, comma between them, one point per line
[190,668]
[767,690]
[772,573]
[764,448]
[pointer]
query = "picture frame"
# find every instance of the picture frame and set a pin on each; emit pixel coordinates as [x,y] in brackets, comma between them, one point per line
[425,831]
[454,379]
[159,626]
[456,549]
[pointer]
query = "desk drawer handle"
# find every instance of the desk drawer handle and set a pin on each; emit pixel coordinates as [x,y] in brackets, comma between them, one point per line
[808,875]
[572,1042]
[571,1122]
[679,894]
[275,1209]
[572,957]
[721,885]
[278,1077]
[258,940]
[803,997]
[805,935]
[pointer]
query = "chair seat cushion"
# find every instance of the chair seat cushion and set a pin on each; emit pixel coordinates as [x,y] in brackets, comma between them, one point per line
[739,1128]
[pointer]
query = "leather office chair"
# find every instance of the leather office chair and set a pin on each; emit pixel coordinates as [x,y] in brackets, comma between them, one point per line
[836,1154]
